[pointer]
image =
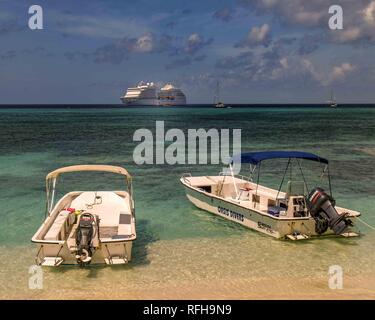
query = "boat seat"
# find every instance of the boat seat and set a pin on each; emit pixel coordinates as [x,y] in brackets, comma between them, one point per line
[59,227]
[124,227]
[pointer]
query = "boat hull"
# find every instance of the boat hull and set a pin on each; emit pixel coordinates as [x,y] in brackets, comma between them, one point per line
[253,219]
[107,253]
[56,237]
[140,102]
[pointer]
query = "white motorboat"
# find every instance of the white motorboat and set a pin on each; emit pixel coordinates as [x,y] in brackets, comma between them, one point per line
[298,213]
[86,227]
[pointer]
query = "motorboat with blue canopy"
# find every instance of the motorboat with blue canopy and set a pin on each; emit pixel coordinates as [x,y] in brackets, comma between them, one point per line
[295,213]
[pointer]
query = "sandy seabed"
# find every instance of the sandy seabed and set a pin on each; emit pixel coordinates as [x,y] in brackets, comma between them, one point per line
[258,289]
[177,270]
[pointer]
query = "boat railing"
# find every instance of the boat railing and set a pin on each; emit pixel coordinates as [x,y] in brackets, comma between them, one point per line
[238,176]
[186,175]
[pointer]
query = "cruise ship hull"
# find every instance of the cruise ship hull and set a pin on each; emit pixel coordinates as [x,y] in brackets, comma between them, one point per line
[175,102]
[140,102]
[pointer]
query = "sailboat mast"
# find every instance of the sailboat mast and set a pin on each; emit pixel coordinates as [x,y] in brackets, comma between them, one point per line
[332,96]
[217,92]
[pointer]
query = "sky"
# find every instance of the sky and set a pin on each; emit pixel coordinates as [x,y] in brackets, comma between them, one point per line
[261,51]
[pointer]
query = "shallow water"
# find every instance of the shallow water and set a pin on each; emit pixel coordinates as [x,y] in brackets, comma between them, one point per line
[183,252]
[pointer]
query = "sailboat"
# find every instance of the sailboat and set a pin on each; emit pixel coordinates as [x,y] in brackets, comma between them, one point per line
[217,102]
[332,102]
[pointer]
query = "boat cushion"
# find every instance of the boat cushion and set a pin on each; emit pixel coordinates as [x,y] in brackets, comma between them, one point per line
[275,210]
[124,227]
[57,226]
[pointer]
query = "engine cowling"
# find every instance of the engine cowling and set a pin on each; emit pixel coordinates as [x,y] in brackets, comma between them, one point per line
[84,236]
[322,208]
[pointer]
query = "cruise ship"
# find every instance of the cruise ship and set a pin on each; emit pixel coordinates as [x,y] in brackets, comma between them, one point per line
[171,96]
[144,94]
[147,94]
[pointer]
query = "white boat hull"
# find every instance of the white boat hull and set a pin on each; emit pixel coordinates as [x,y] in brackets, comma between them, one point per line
[140,102]
[108,253]
[178,101]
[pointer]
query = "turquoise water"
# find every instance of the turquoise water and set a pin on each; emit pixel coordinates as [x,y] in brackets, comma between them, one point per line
[179,245]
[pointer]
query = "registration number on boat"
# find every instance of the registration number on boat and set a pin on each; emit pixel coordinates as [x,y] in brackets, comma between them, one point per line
[265,226]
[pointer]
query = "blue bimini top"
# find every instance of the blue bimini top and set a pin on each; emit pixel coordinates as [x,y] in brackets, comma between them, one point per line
[256,157]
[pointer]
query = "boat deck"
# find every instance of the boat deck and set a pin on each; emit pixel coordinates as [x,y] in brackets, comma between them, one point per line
[245,188]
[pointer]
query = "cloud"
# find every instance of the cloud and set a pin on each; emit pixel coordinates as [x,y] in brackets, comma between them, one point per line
[188,51]
[309,43]
[301,12]
[99,26]
[342,71]
[359,17]
[121,49]
[251,69]
[285,41]
[265,66]
[195,42]
[238,61]
[349,34]
[144,43]
[224,14]
[279,66]
[369,13]
[257,36]
[149,43]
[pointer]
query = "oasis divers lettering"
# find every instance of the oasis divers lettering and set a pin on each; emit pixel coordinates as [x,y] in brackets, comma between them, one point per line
[231,214]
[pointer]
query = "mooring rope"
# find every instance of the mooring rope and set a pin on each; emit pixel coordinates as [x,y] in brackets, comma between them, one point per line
[366,224]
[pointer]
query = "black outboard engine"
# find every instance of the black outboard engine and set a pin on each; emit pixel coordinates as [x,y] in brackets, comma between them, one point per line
[322,209]
[84,236]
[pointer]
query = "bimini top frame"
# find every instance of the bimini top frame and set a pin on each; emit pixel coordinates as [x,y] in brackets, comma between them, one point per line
[255,158]
[51,180]
[89,167]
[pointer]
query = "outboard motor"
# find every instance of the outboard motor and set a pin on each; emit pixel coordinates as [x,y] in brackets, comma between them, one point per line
[84,237]
[322,209]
